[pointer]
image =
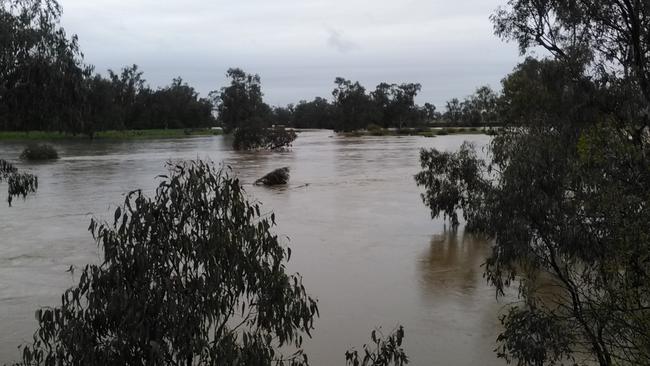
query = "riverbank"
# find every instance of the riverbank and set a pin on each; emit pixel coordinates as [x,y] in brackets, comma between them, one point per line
[109,135]
[427,132]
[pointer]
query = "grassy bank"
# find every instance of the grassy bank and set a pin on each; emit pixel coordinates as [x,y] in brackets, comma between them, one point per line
[432,132]
[112,135]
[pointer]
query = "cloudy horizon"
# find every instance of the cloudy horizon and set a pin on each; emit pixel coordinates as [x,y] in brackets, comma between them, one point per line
[298,48]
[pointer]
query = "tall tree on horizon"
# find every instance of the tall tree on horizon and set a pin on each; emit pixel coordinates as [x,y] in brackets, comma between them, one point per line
[240,101]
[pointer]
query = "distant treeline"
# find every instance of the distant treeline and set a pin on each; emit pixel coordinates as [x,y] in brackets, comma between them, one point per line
[46,86]
[352,107]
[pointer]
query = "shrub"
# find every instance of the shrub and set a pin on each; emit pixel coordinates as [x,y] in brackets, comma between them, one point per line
[35,152]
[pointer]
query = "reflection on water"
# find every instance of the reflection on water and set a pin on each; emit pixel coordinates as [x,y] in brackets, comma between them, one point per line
[453,263]
[361,238]
[461,306]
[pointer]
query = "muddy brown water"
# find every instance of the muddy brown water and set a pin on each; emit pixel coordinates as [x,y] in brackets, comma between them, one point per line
[360,236]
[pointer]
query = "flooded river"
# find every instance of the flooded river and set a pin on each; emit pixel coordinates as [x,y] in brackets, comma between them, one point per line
[361,237]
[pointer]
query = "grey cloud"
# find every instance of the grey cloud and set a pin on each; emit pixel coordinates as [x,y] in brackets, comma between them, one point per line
[338,42]
[298,47]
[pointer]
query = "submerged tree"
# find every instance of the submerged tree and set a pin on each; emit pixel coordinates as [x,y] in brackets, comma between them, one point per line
[192,276]
[563,190]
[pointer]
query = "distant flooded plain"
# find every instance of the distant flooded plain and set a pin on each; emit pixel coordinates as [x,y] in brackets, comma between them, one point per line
[361,237]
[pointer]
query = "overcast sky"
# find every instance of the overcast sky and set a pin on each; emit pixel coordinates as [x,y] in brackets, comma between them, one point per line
[298,47]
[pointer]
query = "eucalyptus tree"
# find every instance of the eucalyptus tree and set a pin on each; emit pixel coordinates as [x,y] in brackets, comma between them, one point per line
[283,115]
[240,101]
[429,112]
[192,276]
[174,106]
[18,184]
[41,72]
[608,39]
[563,191]
[396,103]
[318,113]
[480,108]
[454,111]
[354,107]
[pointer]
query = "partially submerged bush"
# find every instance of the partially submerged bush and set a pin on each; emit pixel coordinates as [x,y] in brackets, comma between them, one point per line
[274,178]
[39,152]
[253,135]
[192,276]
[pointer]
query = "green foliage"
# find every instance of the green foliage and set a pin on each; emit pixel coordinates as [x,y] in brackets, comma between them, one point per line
[44,85]
[383,352]
[448,177]
[535,338]
[124,102]
[318,113]
[241,101]
[396,104]
[354,108]
[454,111]
[192,276]
[19,184]
[283,116]
[35,152]
[478,109]
[41,75]
[389,105]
